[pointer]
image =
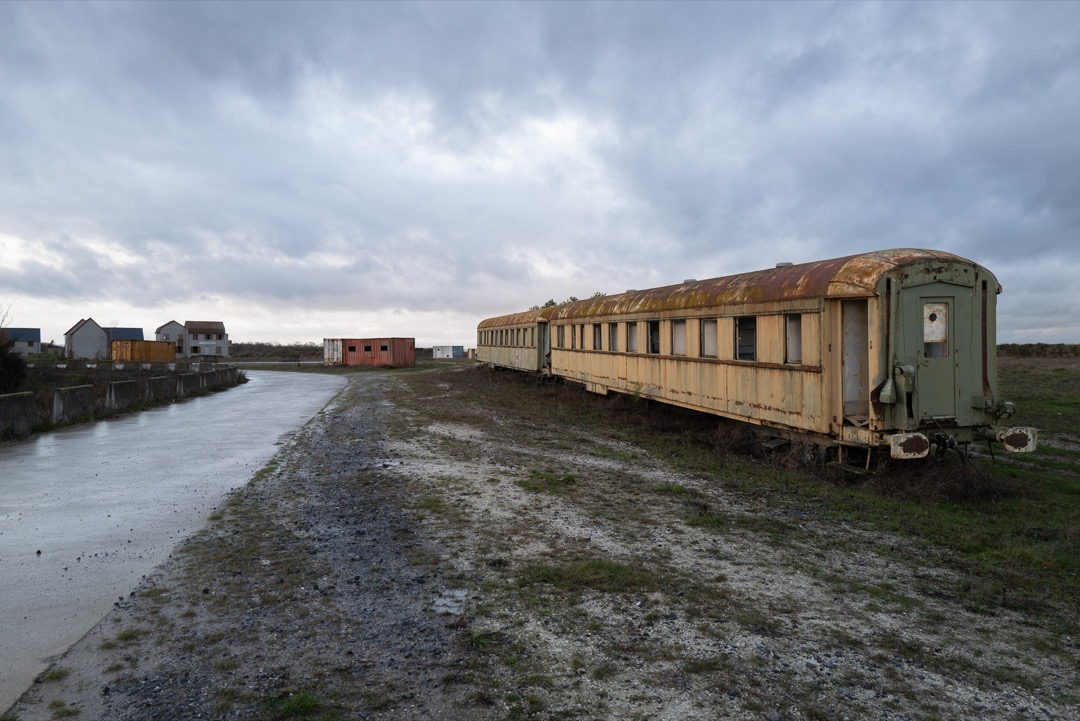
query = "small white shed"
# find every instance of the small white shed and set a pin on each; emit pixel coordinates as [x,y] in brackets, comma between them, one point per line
[447,351]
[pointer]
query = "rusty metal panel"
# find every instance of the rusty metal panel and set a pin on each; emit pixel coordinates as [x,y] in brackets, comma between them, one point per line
[857,276]
[373,352]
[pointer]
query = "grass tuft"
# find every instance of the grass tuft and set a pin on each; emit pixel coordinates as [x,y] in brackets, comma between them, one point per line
[589,574]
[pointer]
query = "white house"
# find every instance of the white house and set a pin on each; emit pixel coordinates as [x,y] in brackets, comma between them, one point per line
[86,339]
[196,338]
[27,340]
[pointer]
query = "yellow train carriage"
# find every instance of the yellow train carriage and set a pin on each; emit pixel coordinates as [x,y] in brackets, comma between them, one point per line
[518,341]
[892,348]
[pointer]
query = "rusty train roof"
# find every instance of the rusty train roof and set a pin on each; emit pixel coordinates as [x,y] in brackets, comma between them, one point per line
[853,276]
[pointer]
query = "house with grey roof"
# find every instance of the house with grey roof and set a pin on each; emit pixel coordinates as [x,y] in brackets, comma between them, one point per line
[87,339]
[196,338]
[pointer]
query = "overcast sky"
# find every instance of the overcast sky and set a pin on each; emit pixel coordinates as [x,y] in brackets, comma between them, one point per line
[311,170]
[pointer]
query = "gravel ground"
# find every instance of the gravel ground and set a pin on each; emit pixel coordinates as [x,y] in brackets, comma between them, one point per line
[310,593]
[465,545]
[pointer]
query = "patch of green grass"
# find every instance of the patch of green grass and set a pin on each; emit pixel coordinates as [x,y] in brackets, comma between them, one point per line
[673,489]
[529,706]
[266,470]
[485,639]
[547,482]
[301,704]
[129,634]
[56,673]
[432,503]
[1046,392]
[62,710]
[589,574]
[704,665]
[708,521]
[226,664]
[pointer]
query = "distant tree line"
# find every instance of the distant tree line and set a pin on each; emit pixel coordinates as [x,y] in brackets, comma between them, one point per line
[1039,350]
[271,350]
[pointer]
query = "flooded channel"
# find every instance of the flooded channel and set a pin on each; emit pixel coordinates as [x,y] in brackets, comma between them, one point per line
[85,512]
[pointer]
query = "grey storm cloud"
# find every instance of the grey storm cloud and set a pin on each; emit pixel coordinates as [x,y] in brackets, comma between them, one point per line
[477,158]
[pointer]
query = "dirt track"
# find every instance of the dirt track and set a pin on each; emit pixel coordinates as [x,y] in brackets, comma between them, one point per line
[426,549]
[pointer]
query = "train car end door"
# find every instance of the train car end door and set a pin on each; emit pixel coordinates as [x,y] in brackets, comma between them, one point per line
[936,346]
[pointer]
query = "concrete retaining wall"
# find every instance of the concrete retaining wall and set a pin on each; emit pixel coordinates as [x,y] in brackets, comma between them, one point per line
[122,394]
[187,383]
[72,403]
[17,412]
[160,388]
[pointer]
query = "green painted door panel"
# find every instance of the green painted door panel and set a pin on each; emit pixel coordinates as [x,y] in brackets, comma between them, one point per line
[937,332]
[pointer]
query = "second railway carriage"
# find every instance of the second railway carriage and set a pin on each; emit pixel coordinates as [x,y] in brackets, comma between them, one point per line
[893,348]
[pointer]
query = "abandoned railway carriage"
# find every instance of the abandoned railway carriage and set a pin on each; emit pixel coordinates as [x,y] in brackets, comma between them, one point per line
[893,349]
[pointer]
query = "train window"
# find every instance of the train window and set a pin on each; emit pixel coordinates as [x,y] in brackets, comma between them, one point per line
[367,349]
[352,349]
[613,337]
[573,336]
[581,335]
[678,337]
[793,339]
[631,338]
[935,330]
[597,336]
[709,345]
[654,336]
[746,338]
[560,336]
